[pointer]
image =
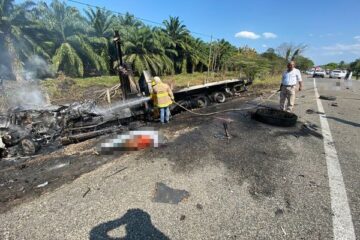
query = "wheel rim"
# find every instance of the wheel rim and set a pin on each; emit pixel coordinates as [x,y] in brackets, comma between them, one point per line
[219,97]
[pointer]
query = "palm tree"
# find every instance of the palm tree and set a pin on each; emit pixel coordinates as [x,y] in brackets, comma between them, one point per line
[100,22]
[180,37]
[197,54]
[144,52]
[290,51]
[129,20]
[71,48]
[15,41]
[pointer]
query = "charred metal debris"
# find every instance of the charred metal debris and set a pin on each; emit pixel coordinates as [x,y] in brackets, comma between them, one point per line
[26,131]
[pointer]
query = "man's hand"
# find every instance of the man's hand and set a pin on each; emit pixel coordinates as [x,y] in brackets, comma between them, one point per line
[300,86]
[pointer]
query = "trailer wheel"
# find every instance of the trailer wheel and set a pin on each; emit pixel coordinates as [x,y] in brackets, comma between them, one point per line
[202,101]
[238,88]
[219,97]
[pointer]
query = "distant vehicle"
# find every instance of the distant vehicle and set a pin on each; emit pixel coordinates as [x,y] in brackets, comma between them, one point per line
[319,73]
[337,74]
[309,72]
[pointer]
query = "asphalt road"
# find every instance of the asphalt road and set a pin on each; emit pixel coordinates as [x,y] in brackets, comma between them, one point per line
[264,182]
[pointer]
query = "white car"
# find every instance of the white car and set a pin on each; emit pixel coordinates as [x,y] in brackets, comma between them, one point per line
[309,72]
[337,74]
[319,73]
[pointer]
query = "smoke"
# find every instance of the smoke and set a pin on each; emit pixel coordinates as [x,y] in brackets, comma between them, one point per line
[37,68]
[28,94]
[4,72]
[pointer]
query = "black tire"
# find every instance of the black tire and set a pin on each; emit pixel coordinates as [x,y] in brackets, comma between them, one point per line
[219,97]
[275,117]
[238,88]
[329,98]
[202,101]
[28,147]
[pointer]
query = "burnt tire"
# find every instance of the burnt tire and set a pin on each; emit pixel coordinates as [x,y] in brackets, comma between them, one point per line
[329,98]
[28,147]
[275,117]
[219,97]
[202,102]
[238,88]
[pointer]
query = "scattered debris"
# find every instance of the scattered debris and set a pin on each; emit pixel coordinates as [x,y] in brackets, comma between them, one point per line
[87,191]
[311,111]
[283,230]
[165,194]
[199,206]
[226,128]
[60,165]
[279,211]
[118,171]
[329,98]
[42,185]
[334,104]
[313,184]
[312,130]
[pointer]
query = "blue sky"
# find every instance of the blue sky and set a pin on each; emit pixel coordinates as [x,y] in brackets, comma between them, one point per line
[330,28]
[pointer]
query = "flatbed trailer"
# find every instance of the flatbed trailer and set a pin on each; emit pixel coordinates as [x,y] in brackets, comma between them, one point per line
[215,92]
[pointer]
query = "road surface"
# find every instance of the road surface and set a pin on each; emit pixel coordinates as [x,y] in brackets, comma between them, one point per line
[264,182]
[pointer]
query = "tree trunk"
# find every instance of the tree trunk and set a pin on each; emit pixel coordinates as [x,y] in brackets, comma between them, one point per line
[16,65]
[184,66]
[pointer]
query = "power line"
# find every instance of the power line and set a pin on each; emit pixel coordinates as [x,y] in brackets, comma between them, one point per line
[139,18]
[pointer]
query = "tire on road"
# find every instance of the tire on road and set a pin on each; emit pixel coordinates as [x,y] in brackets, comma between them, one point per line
[275,117]
[329,98]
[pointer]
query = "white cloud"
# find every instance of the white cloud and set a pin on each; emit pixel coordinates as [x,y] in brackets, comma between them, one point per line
[339,49]
[333,53]
[357,38]
[269,35]
[246,34]
[264,46]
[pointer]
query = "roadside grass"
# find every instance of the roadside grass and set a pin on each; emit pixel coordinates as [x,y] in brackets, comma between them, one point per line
[185,80]
[65,89]
[267,82]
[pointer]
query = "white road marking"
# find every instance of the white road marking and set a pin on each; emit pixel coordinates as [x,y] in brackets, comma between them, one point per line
[343,227]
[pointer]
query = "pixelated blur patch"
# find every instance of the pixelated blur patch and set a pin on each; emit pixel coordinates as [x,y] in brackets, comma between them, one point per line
[132,141]
[165,194]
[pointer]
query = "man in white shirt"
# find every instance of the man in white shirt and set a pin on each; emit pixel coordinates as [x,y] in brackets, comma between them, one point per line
[290,78]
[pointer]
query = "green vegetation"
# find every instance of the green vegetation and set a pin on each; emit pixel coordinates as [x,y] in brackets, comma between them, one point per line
[80,45]
[355,67]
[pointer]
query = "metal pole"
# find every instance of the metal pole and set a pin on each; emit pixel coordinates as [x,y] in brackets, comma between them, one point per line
[119,57]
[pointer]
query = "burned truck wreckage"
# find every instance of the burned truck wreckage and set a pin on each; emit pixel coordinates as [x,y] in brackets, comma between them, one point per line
[30,130]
